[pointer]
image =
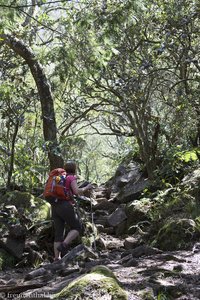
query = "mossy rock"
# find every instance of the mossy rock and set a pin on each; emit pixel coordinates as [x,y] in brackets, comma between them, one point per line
[90,233]
[137,211]
[146,294]
[178,202]
[100,283]
[176,234]
[192,179]
[6,260]
[38,208]
[182,201]
[19,199]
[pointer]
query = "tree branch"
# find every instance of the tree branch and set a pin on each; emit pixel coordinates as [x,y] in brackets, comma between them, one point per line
[32,5]
[46,100]
[82,115]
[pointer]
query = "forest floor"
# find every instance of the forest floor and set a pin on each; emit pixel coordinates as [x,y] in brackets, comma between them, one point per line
[170,275]
[162,276]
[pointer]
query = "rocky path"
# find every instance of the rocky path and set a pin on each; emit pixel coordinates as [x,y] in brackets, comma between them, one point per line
[144,272]
[171,275]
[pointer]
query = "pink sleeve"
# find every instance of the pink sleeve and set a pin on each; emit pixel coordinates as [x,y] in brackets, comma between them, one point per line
[69,180]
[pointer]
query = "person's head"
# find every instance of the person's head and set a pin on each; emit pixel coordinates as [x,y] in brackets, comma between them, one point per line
[70,167]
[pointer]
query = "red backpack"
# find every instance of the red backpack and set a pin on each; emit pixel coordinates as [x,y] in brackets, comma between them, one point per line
[56,185]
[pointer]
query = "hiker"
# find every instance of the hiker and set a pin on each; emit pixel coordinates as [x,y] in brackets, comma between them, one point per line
[63,213]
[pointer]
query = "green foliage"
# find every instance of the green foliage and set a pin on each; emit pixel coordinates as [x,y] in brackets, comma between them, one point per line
[97,155]
[162,296]
[72,147]
[9,16]
[136,61]
[177,200]
[119,75]
[188,156]
[176,164]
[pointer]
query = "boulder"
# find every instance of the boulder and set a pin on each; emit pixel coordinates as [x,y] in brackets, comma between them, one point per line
[100,283]
[125,175]
[17,231]
[177,234]
[137,211]
[132,190]
[13,246]
[132,242]
[121,229]
[192,181]
[105,205]
[132,174]
[117,217]
[145,250]
[25,204]
[192,178]
[102,192]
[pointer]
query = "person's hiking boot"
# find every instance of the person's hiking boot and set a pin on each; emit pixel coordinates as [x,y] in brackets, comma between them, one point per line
[63,248]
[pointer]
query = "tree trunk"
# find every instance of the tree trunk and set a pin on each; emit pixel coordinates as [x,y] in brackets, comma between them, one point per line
[12,157]
[147,145]
[47,104]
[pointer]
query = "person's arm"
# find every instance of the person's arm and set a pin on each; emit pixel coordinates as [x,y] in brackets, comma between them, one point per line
[79,191]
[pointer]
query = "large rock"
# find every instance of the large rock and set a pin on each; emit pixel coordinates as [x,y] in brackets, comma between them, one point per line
[177,234]
[132,190]
[127,183]
[102,192]
[105,205]
[138,211]
[145,250]
[27,206]
[13,246]
[100,283]
[129,174]
[21,212]
[117,217]
[192,178]
[132,242]
[17,231]
[125,175]
[192,181]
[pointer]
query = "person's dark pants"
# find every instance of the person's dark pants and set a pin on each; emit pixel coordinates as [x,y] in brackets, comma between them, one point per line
[63,213]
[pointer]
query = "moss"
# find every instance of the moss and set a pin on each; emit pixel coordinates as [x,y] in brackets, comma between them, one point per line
[147,294]
[176,234]
[142,205]
[176,201]
[42,212]
[36,208]
[197,222]
[99,283]
[187,156]
[90,234]
[138,210]
[87,241]
[19,199]
[103,270]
